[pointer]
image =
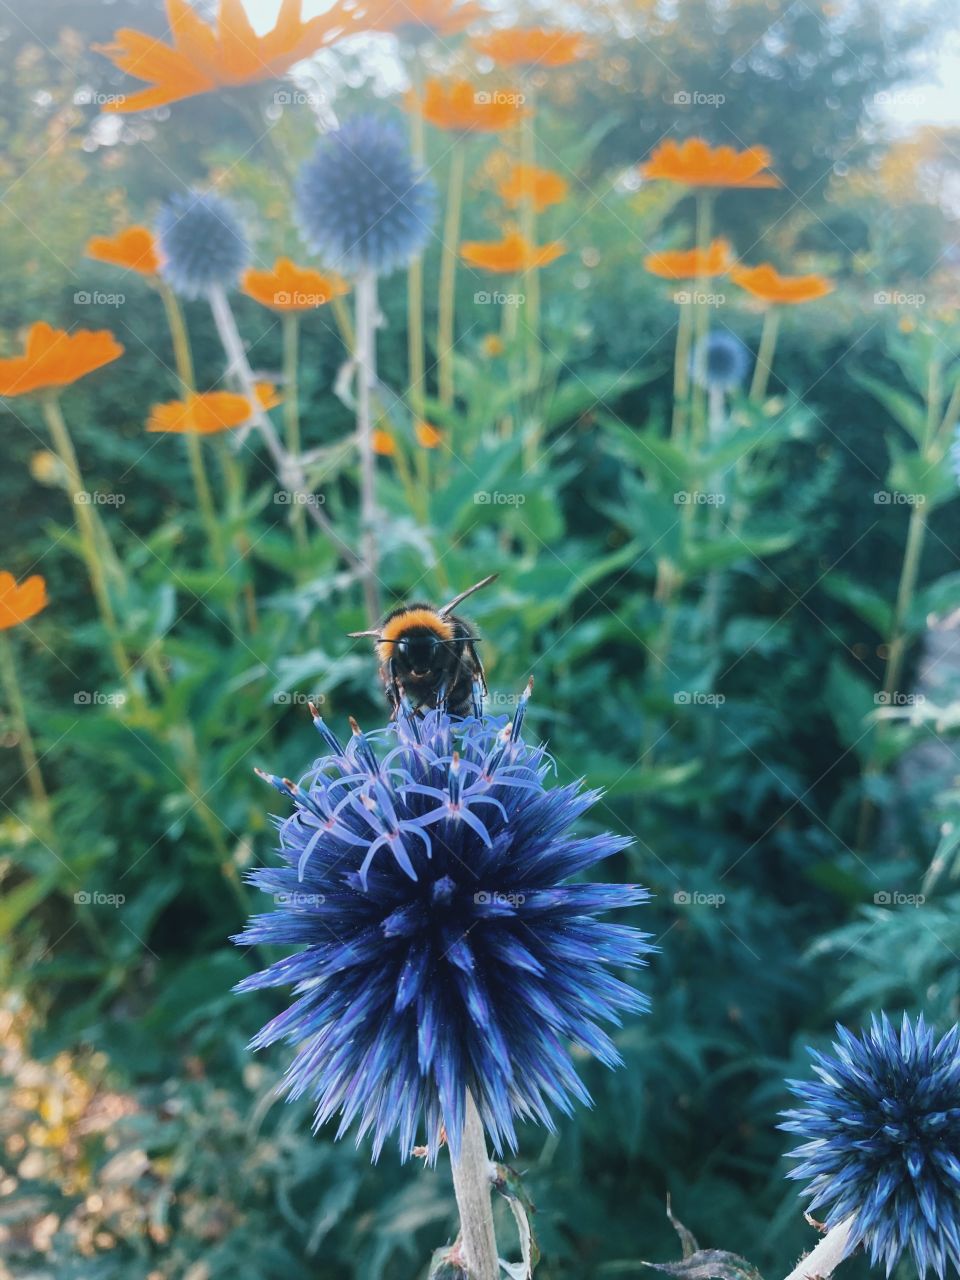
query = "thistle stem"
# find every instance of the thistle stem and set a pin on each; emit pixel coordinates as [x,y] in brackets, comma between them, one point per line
[822,1261]
[289,470]
[701,318]
[87,526]
[528,213]
[366,362]
[681,374]
[416,348]
[18,715]
[448,275]
[183,360]
[768,345]
[291,411]
[472,1178]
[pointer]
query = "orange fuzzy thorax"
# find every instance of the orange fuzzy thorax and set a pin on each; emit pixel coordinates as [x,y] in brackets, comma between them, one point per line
[396,628]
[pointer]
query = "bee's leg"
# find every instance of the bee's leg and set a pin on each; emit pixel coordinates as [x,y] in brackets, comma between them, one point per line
[394,691]
[477,691]
[442,698]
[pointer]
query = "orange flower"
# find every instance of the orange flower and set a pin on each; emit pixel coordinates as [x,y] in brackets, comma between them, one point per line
[287,287]
[698,164]
[691,264]
[428,435]
[19,604]
[203,56]
[384,443]
[766,283]
[533,47]
[511,254]
[135,248]
[213,411]
[419,19]
[55,358]
[462,108]
[527,182]
[492,345]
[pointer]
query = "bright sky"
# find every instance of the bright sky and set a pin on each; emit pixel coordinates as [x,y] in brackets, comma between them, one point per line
[935,99]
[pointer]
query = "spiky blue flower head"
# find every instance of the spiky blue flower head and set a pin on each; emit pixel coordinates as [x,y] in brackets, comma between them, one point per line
[360,202]
[955,453]
[882,1130]
[202,242]
[439,947]
[720,361]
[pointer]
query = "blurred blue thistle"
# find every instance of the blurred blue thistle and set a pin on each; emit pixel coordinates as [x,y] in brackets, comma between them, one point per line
[203,243]
[440,950]
[720,361]
[955,452]
[882,1130]
[360,202]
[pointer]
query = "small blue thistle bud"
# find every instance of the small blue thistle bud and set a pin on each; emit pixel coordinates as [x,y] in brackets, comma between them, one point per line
[202,241]
[720,361]
[360,203]
[882,1130]
[438,948]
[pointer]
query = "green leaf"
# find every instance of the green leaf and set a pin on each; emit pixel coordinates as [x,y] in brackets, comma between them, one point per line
[910,413]
[866,603]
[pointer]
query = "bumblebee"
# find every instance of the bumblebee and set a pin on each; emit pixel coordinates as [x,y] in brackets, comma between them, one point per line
[429,656]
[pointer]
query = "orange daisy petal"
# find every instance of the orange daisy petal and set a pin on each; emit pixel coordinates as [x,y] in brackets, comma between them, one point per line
[511,254]
[384,443]
[209,413]
[134,248]
[416,19]
[461,107]
[287,287]
[20,603]
[533,47]
[525,183]
[427,435]
[697,164]
[766,284]
[691,264]
[55,358]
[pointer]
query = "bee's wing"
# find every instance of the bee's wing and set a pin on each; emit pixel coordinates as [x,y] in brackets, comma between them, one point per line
[485,582]
[356,635]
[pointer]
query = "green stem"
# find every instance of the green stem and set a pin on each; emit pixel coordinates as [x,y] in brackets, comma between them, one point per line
[18,715]
[87,526]
[681,375]
[365,356]
[291,412]
[448,274]
[768,345]
[416,346]
[528,227]
[183,360]
[701,318]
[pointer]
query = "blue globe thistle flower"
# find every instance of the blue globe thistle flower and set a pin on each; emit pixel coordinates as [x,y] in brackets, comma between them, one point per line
[955,453]
[720,361]
[440,949]
[202,241]
[360,203]
[882,1130]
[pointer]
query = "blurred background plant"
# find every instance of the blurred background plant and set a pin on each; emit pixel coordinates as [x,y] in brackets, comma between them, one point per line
[722,510]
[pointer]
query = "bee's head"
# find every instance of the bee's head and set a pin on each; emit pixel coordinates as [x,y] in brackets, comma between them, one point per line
[418,652]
